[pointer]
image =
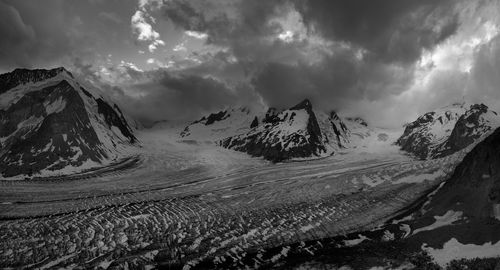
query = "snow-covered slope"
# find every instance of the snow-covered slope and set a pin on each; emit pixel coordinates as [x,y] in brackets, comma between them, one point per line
[447,130]
[52,124]
[217,126]
[367,139]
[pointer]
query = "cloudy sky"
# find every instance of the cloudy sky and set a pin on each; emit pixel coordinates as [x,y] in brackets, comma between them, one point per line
[385,60]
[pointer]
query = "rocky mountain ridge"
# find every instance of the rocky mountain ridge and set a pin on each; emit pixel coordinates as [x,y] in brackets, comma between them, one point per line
[51,124]
[447,130]
[277,135]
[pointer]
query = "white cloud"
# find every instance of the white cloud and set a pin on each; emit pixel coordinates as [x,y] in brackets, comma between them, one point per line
[153,46]
[141,26]
[286,36]
[180,47]
[153,61]
[197,35]
[130,65]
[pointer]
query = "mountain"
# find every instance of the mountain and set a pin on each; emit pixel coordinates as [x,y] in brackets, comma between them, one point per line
[276,135]
[50,124]
[447,130]
[293,133]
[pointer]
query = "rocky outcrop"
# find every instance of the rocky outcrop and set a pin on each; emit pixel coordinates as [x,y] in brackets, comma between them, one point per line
[255,122]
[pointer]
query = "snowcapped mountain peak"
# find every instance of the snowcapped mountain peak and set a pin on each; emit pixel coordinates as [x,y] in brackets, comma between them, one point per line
[448,129]
[292,133]
[46,115]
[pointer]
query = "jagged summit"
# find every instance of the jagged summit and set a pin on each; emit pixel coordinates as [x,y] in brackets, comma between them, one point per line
[292,133]
[305,104]
[21,76]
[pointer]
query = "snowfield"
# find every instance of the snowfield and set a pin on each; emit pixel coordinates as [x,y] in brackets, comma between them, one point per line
[191,201]
[454,249]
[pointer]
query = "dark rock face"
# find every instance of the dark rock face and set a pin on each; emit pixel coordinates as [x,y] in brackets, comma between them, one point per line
[272,141]
[113,119]
[51,127]
[339,128]
[22,76]
[255,122]
[474,187]
[271,116]
[214,117]
[57,142]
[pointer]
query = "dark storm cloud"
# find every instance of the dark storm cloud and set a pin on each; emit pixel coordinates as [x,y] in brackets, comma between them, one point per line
[342,54]
[381,41]
[331,82]
[13,28]
[33,35]
[485,73]
[225,22]
[241,26]
[392,30]
[163,95]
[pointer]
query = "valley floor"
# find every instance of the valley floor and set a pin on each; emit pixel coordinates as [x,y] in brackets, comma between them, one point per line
[188,202]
